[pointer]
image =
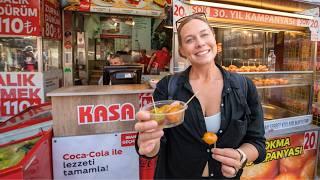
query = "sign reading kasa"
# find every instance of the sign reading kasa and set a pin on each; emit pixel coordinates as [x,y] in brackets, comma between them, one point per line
[88,114]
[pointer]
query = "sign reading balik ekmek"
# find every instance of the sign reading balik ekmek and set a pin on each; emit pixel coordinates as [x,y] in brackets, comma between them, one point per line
[103,156]
[19,91]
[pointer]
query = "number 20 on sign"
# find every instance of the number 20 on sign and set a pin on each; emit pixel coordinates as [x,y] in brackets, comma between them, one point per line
[310,140]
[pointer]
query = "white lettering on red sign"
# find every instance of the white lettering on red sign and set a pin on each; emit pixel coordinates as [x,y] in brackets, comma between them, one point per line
[144,99]
[52,19]
[181,9]
[20,17]
[88,114]
[128,139]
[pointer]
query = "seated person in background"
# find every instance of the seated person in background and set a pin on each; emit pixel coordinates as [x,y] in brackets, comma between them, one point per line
[114,60]
[144,59]
[159,60]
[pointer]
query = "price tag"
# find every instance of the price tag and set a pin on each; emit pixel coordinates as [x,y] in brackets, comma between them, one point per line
[310,140]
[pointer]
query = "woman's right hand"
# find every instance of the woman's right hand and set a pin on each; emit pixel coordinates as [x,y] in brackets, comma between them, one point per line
[149,134]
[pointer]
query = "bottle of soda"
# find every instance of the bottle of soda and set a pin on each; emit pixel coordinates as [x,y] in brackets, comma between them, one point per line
[271,61]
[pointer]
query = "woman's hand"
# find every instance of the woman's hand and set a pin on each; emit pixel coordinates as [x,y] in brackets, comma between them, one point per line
[230,160]
[149,134]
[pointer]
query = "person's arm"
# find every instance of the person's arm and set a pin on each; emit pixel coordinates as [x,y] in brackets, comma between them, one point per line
[254,141]
[150,135]
[151,61]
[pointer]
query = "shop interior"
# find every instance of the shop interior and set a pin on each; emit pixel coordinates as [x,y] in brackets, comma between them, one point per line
[104,39]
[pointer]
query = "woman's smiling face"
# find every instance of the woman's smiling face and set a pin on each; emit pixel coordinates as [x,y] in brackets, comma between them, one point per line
[198,42]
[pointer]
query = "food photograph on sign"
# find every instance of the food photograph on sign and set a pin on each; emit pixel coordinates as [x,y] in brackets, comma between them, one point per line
[288,157]
[86,5]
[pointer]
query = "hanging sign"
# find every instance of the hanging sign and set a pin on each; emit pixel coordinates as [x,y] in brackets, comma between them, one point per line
[20,17]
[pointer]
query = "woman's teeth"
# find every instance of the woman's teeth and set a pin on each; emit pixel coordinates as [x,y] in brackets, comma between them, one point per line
[202,52]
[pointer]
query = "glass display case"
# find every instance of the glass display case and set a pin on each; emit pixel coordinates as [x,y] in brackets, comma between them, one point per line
[284,94]
[286,87]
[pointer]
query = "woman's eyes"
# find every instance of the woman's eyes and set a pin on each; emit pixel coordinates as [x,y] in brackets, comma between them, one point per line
[204,35]
[190,40]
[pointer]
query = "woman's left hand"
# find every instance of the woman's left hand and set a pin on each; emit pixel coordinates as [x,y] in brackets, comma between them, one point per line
[230,160]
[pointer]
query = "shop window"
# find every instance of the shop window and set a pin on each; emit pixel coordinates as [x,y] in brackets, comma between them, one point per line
[51,54]
[18,54]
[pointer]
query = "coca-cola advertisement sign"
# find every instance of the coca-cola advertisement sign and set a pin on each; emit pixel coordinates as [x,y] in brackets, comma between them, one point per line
[20,17]
[52,19]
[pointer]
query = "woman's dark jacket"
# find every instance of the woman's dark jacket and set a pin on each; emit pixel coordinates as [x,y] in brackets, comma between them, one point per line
[183,154]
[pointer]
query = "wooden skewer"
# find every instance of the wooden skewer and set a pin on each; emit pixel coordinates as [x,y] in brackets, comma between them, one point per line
[154,105]
[192,97]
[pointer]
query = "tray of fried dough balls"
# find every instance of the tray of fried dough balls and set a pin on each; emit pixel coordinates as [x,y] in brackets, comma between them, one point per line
[270,81]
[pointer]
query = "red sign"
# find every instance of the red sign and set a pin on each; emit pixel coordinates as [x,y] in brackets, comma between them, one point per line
[88,114]
[19,91]
[52,20]
[85,5]
[288,157]
[180,10]
[256,17]
[144,99]
[128,139]
[20,17]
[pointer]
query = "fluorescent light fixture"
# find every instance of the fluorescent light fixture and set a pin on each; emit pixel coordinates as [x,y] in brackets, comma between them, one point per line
[252,28]
[249,28]
[250,9]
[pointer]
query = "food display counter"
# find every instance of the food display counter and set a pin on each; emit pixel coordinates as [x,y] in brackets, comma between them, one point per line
[286,97]
[277,51]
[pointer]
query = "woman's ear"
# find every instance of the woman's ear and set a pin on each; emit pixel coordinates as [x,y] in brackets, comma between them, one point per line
[181,53]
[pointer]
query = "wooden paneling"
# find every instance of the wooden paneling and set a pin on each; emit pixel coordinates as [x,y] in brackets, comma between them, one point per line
[65,120]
